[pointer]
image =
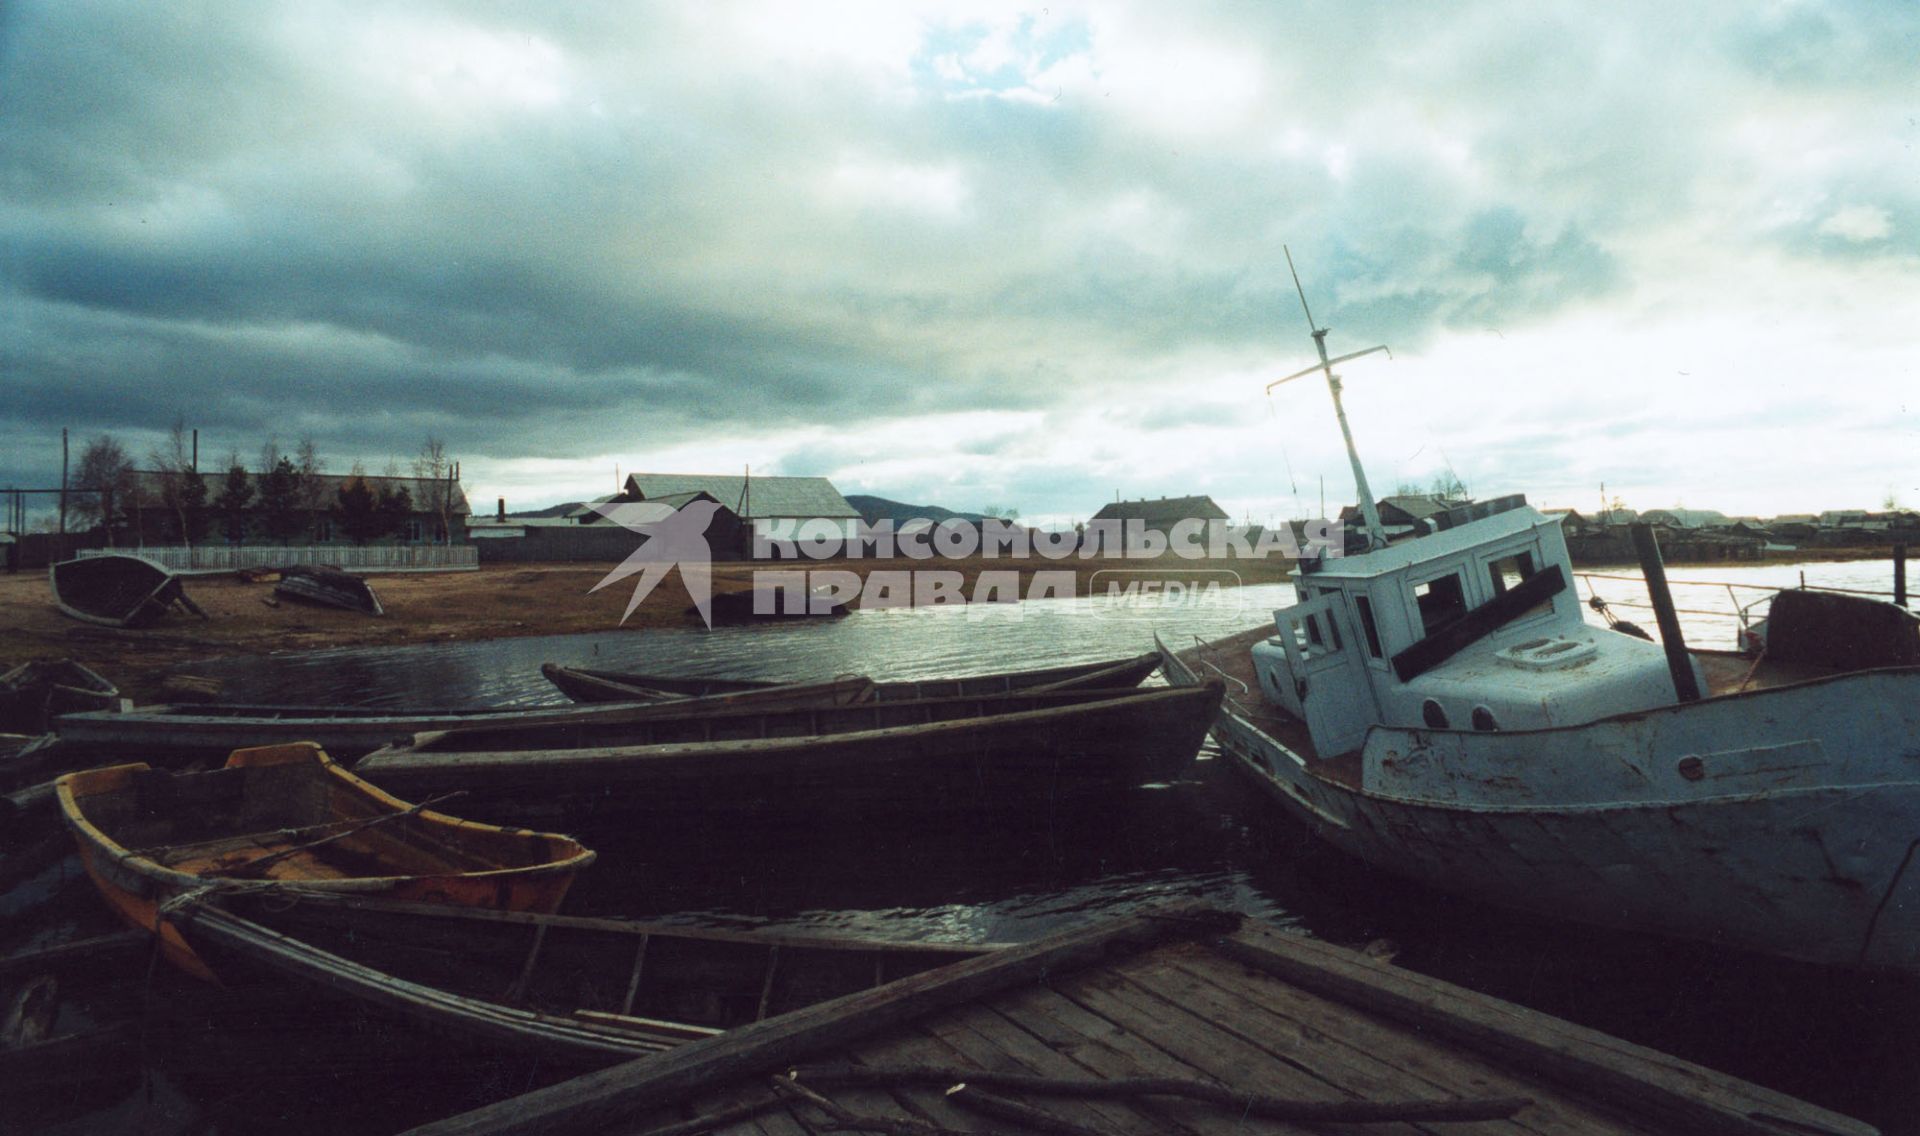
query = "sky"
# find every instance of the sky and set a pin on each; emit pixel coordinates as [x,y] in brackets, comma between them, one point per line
[977,255]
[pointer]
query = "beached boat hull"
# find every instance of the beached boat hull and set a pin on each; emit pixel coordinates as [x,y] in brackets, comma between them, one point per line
[936,755]
[578,992]
[585,685]
[1783,821]
[168,732]
[328,587]
[117,591]
[285,819]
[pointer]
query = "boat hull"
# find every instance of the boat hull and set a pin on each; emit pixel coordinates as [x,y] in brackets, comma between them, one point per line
[585,685]
[1807,858]
[147,839]
[578,992]
[937,756]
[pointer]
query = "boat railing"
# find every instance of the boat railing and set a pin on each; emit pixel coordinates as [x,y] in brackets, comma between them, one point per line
[1740,610]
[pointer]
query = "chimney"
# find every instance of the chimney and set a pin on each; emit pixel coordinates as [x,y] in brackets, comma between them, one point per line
[501,515]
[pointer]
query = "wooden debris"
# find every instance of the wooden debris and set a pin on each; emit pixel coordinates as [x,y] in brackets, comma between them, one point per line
[1250,1104]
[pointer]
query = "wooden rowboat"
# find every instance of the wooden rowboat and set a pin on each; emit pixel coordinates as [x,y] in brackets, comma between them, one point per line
[118,591]
[328,587]
[584,685]
[169,732]
[571,991]
[1004,752]
[286,819]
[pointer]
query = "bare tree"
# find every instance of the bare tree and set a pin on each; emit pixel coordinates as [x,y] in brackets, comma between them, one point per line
[181,489]
[434,469]
[309,485]
[102,483]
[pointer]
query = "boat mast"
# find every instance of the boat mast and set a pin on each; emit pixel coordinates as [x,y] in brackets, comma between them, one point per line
[1369,512]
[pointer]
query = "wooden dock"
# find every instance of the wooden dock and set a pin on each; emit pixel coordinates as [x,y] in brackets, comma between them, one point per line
[1245,1029]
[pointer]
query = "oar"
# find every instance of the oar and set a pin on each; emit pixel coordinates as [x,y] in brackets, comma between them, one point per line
[255,867]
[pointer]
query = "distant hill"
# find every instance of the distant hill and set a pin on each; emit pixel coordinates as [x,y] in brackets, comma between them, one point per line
[550,511]
[873,510]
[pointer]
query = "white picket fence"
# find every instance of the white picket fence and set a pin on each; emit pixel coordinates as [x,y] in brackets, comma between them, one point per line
[353,558]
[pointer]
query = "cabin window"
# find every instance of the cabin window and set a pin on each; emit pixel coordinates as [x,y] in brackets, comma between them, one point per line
[1333,625]
[1441,602]
[1364,609]
[1434,714]
[1508,571]
[415,531]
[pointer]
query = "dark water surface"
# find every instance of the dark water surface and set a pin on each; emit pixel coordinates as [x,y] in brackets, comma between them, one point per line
[1844,1041]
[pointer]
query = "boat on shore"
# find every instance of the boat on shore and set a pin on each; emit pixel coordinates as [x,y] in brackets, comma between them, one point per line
[168,732]
[584,685]
[120,590]
[285,820]
[563,990]
[1439,708]
[1009,751]
[327,586]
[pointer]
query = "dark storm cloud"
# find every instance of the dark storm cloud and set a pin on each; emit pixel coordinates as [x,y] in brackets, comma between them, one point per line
[572,232]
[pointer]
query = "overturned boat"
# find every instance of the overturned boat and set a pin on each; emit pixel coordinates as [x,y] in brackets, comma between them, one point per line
[1440,708]
[585,685]
[119,590]
[328,587]
[935,755]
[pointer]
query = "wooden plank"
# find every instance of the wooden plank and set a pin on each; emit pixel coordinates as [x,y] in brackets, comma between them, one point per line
[601,1097]
[1218,1054]
[1663,1090]
[1103,1048]
[910,1045]
[992,1042]
[1373,1059]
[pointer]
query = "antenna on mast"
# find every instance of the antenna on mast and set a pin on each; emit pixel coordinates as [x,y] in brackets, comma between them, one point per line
[1369,512]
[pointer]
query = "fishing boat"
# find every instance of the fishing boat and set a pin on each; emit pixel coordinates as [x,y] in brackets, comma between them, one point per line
[328,587]
[120,590]
[167,732]
[1008,751]
[584,685]
[285,820]
[1440,708]
[570,991]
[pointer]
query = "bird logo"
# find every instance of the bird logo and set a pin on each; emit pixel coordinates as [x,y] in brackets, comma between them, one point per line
[669,539]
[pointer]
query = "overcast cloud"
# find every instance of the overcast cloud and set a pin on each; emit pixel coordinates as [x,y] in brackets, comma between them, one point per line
[977,254]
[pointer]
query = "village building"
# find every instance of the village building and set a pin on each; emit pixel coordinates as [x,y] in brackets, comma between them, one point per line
[583,533]
[1160,515]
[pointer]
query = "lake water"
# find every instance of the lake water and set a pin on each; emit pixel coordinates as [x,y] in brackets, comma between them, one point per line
[1844,1041]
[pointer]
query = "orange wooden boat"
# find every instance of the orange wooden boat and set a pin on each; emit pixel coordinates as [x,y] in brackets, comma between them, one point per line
[288,818]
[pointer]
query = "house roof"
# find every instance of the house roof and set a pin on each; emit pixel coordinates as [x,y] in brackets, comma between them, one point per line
[806,497]
[148,482]
[1162,510]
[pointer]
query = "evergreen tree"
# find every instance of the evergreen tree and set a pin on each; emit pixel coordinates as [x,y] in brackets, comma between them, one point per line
[231,504]
[354,510]
[279,502]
